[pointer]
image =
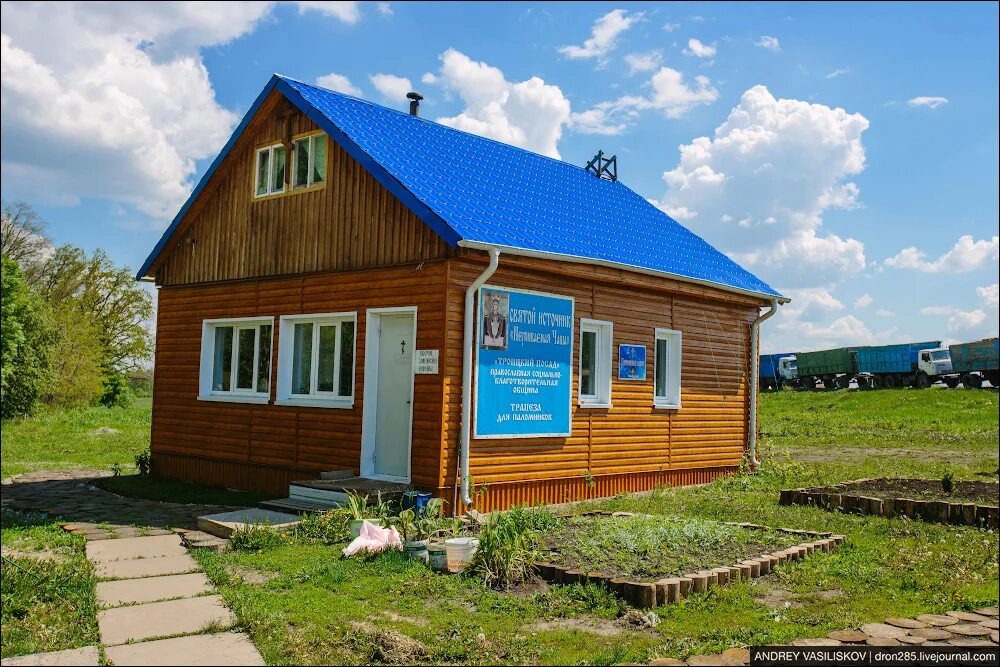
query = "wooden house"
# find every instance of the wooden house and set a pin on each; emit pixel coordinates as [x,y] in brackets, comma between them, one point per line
[355,288]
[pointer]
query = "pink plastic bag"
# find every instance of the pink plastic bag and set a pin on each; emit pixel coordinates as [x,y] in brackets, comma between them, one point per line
[373,538]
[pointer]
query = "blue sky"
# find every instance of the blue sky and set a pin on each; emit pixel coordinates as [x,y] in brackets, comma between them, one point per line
[850,152]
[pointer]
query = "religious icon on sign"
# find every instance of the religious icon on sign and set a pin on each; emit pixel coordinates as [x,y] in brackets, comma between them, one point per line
[495,309]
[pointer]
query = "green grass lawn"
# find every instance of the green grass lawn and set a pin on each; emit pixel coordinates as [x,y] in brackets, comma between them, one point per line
[304,604]
[71,439]
[47,586]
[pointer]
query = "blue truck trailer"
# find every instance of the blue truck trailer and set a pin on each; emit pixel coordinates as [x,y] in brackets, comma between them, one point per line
[892,366]
[976,361]
[771,376]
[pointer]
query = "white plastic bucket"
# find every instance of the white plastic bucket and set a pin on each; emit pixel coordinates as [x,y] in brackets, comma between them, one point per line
[460,551]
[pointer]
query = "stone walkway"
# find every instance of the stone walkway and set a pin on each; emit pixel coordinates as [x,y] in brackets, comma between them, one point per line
[158,608]
[954,628]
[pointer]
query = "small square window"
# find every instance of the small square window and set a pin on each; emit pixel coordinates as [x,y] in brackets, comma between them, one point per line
[270,172]
[595,363]
[319,350]
[667,369]
[310,161]
[236,360]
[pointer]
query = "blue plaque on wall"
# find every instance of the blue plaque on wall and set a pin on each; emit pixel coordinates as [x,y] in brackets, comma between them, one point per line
[631,362]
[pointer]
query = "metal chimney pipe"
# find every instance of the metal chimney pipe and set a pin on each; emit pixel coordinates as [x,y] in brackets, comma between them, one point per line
[414,98]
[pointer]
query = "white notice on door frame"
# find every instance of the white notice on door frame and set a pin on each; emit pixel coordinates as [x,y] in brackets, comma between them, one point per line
[427,362]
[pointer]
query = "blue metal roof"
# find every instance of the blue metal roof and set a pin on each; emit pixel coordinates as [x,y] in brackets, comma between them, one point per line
[478,192]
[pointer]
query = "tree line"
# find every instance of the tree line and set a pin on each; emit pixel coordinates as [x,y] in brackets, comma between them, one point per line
[73,324]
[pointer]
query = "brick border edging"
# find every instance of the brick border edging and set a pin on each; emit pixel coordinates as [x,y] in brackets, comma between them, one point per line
[937,511]
[646,595]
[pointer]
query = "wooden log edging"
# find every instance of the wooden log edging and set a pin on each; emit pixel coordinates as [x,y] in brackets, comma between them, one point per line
[938,511]
[646,595]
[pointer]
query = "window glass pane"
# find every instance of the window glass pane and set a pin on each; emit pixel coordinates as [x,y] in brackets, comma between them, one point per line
[262,162]
[244,358]
[301,163]
[327,357]
[223,361]
[302,358]
[319,158]
[346,359]
[278,173]
[588,362]
[264,359]
[661,368]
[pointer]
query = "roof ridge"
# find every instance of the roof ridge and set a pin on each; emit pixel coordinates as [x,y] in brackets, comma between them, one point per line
[433,122]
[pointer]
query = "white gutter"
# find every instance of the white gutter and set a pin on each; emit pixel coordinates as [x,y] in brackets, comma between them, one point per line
[755,380]
[576,259]
[469,346]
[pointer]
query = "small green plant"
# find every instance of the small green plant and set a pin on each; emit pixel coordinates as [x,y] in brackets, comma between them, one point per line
[116,469]
[588,477]
[328,527]
[407,522]
[948,482]
[254,537]
[508,547]
[357,505]
[143,463]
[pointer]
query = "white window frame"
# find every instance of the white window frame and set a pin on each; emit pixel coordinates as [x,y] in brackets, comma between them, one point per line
[309,168]
[207,367]
[286,357]
[602,381]
[270,171]
[671,400]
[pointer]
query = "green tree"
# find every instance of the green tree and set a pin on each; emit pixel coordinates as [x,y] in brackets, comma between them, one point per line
[27,341]
[77,376]
[107,294]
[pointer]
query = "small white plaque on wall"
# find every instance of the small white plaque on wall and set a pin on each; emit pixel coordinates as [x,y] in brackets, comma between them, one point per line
[427,362]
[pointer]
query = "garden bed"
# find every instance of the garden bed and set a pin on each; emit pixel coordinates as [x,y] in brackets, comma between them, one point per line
[654,560]
[971,503]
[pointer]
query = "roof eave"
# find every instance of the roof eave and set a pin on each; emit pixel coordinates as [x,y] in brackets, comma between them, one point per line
[577,259]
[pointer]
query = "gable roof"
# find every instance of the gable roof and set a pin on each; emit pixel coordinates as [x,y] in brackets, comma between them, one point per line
[479,193]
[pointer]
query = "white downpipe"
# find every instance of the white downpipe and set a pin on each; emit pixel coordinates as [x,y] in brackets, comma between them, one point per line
[469,345]
[755,380]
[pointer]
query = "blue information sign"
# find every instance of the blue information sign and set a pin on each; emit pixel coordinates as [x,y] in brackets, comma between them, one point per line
[631,362]
[524,364]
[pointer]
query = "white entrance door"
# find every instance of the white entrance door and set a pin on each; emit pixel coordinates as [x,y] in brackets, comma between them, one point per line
[394,396]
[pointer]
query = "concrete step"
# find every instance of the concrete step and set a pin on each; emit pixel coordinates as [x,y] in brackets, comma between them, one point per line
[330,497]
[223,525]
[296,506]
[225,648]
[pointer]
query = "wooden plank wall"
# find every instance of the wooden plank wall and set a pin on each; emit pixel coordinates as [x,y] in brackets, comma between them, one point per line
[353,222]
[630,446]
[263,446]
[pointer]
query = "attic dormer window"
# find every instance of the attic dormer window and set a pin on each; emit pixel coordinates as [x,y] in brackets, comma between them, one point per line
[270,171]
[309,163]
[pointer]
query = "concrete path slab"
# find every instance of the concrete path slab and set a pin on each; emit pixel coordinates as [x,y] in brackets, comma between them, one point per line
[152,589]
[85,657]
[225,523]
[128,548]
[225,648]
[146,567]
[161,619]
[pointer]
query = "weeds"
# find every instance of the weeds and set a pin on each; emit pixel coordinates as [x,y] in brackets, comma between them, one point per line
[253,538]
[508,546]
[329,527]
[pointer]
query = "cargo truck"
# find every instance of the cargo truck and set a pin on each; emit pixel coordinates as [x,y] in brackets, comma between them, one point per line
[834,368]
[773,373]
[977,361]
[892,366]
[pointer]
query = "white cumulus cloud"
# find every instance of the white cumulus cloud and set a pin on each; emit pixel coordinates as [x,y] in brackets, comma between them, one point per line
[927,101]
[643,62]
[530,114]
[838,72]
[963,320]
[759,186]
[603,35]
[338,82]
[348,12]
[393,88]
[882,312]
[966,255]
[698,49]
[769,43]
[863,301]
[990,295]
